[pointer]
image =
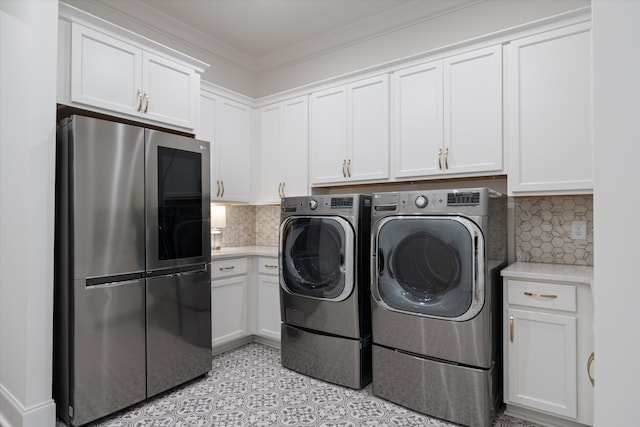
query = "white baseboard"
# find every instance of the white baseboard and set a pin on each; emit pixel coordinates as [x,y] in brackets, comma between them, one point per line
[13,414]
[221,348]
[539,417]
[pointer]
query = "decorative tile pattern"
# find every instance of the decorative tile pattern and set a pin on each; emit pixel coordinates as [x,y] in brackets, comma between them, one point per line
[240,230]
[543,229]
[249,387]
[267,225]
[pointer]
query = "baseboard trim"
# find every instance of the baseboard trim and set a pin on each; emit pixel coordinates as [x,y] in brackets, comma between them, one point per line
[271,342]
[13,414]
[539,417]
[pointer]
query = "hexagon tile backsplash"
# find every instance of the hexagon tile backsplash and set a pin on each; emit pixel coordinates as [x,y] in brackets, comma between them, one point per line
[543,229]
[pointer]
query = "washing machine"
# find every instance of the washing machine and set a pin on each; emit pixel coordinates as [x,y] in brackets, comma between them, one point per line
[436,301]
[324,287]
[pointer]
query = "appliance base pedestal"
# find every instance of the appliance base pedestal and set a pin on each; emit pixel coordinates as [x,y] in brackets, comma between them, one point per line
[338,360]
[456,393]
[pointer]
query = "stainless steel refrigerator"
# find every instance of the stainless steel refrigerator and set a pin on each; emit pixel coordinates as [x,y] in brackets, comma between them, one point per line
[132,311]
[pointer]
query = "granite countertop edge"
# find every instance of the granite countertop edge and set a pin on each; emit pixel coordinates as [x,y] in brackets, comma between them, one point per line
[581,274]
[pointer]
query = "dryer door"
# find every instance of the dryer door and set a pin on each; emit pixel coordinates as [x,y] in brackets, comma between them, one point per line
[429,266]
[317,257]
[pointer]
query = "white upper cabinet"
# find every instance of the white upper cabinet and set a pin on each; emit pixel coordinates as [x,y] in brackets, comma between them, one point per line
[417,120]
[447,116]
[284,141]
[349,132]
[548,105]
[226,124]
[111,74]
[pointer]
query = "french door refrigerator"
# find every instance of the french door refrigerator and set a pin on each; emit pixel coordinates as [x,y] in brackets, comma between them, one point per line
[132,311]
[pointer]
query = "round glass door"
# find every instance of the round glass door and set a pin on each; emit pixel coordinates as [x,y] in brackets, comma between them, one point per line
[429,266]
[317,257]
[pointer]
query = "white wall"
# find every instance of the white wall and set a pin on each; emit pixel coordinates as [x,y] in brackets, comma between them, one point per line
[28,32]
[616,83]
[477,20]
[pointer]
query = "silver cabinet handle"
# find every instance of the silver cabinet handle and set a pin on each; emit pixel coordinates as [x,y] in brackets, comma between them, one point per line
[440,158]
[349,168]
[550,296]
[280,190]
[511,328]
[146,106]
[344,164]
[446,158]
[222,185]
[227,268]
[283,184]
[592,357]
[139,101]
[270,266]
[218,185]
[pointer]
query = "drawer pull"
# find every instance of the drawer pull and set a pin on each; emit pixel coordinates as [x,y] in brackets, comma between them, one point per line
[511,328]
[550,296]
[589,363]
[227,268]
[270,266]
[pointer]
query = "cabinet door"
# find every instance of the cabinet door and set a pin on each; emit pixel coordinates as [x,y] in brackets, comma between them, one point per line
[549,112]
[269,306]
[228,310]
[542,361]
[234,157]
[295,149]
[170,90]
[368,118]
[417,121]
[271,173]
[328,136]
[473,111]
[105,72]
[207,131]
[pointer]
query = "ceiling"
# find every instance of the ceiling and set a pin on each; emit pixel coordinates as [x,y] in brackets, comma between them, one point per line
[263,34]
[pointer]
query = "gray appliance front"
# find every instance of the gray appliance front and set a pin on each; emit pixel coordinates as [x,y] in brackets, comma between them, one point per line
[178,328]
[428,293]
[317,275]
[458,393]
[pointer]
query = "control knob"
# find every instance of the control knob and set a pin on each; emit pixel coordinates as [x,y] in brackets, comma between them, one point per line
[421,201]
[313,204]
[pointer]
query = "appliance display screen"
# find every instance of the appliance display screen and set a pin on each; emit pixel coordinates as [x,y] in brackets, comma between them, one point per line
[180,207]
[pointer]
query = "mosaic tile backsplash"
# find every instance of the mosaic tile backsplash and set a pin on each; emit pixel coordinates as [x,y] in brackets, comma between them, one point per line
[251,225]
[543,229]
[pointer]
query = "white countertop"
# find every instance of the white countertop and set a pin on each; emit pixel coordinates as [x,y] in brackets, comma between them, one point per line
[554,272]
[239,251]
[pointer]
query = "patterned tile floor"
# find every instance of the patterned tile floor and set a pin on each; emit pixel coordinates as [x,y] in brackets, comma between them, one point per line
[249,387]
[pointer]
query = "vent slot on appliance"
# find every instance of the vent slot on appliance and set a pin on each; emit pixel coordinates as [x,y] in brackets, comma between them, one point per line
[463,199]
[341,202]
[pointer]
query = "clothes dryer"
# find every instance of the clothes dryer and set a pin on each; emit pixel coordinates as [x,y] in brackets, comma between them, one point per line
[324,287]
[436,257]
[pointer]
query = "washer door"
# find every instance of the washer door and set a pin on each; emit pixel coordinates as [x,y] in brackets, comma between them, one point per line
[317,257]
[429,266]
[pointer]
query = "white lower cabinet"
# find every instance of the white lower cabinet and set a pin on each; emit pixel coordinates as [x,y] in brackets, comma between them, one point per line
[245,301]
[548,345]
[229,310]
[542,361]
[268,298]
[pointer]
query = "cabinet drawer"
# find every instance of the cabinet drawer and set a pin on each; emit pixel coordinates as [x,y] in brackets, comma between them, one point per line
[228,267]
[542,295]
[267,265]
